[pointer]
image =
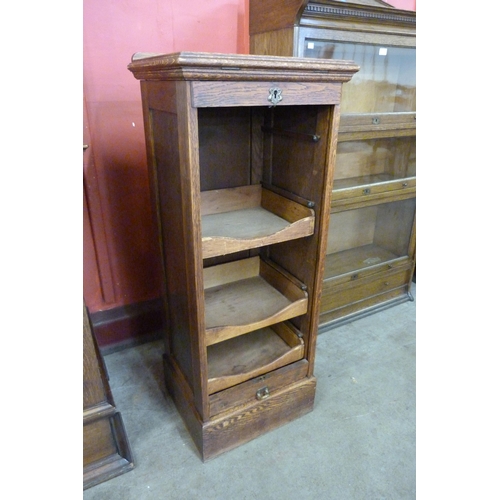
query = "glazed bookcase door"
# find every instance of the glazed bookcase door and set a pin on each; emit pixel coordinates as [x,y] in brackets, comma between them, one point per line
[386,82]
[370,256]
[376,153]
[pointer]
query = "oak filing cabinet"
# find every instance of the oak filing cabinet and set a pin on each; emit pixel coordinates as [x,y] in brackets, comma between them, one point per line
[241,152]
[371,239]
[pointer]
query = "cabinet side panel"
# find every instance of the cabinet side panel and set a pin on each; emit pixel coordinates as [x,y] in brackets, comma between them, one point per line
[177,242]
[299,155]
[265,16]
[305,168]
[273,43]
[191,251]
[166,161]
[95,388]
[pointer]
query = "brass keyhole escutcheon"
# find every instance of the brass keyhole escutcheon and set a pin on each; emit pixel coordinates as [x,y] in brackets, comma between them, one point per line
[275,96]
[262,393]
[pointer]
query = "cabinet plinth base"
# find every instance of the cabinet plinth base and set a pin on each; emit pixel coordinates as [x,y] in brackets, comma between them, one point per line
[329,321]
[243,423]
[106,450]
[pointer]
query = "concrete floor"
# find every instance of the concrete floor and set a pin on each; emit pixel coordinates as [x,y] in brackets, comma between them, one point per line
[358,443]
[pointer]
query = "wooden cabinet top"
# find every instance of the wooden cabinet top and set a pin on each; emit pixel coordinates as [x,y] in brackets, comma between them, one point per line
[268,16]
[237,67]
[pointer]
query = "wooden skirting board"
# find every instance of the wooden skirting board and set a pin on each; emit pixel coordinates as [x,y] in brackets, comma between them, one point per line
[126,326]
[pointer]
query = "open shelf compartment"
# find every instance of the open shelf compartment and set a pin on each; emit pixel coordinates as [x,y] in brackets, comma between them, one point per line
[241,358]
[246,217]
[245,295]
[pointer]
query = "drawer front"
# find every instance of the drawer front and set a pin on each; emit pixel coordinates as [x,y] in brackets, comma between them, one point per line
[339,295]
[257,388]
[220,94]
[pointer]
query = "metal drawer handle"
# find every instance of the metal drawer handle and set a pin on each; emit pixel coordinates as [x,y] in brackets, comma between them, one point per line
[274,96]
[262,393]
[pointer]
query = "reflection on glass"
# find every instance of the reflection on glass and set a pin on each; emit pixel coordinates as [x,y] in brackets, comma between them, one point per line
[386,81]
[368,236]
[374,161]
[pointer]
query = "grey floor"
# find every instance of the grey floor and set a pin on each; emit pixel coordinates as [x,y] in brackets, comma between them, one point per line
[358,442]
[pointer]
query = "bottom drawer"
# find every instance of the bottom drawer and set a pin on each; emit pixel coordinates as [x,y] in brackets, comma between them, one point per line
[258,387]
[336,295]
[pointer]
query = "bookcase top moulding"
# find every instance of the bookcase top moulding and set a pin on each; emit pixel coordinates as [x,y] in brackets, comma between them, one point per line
[213,66]
[281,14]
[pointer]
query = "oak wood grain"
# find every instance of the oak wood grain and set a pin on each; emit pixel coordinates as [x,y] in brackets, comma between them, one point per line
[239,261]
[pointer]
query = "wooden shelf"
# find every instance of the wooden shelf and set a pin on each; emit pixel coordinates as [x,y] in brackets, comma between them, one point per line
[248,217]
[242,358]
[248,294]
[355,259]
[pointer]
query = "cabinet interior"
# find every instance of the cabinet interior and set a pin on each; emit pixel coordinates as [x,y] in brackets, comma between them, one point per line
[374,161]
[257,203]
[368,236]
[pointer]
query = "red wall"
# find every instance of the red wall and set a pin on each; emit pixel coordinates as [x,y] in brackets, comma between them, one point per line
[121,260]
[121,264]
[403,4]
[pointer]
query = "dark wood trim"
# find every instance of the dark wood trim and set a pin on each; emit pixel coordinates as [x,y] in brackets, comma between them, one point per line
[112,465]
[127,326]
[363,12]
[106,450]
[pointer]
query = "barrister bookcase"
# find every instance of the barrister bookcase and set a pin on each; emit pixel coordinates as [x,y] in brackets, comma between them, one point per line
[370,257]
[241,151]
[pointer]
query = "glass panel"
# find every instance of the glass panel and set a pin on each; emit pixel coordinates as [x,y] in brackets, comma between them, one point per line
[386,81]
[368,236]
[374,161]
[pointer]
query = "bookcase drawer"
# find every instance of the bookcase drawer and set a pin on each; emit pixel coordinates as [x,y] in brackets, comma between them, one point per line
[258,387]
